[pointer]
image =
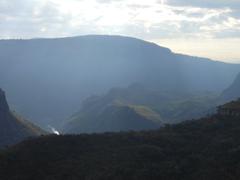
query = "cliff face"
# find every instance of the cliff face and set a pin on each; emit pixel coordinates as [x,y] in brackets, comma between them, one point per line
[14,129]
[3,103]
[233,92]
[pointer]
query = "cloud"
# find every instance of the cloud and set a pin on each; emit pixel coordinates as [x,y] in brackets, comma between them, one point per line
[206,3]
[146,19]
[153,18]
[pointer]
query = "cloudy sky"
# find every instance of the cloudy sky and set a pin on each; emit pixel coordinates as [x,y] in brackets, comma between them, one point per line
[209,28]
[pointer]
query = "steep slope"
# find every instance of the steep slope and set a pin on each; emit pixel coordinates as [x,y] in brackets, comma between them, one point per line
[13,128]
[57,74]
[233,92]
[205,149]
[114,118]
[123,108]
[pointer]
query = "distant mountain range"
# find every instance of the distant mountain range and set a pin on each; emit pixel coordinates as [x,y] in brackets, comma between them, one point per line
[137,108]
[13,128]
[205,149]
[47,79]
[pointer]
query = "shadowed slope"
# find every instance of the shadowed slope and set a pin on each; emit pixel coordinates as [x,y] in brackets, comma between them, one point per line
[57,74]
[206,149]
[13,128]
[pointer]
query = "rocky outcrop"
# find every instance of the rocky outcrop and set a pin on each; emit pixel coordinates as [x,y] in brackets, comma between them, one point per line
[3,102]
[13,128]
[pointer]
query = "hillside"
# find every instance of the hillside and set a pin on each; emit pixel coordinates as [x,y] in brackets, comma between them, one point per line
[57,74]
[122,109]
[205,149]
[233,92]
[113,118]
[13,128]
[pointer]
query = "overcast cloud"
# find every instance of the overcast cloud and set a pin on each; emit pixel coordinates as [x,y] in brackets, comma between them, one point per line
[167,22]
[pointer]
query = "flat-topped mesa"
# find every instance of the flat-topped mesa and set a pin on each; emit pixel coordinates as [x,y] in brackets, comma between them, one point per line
[3,102]
[230,109]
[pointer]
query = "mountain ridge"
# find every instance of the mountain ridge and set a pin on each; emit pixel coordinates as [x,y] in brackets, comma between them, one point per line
[113,117]
[32,72]
[121,36]
[152,105]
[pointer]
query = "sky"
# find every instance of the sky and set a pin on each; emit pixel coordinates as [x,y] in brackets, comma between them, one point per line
[207,28]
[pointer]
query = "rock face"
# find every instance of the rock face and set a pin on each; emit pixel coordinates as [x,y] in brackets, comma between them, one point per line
[233,92]
[13,128]
[3,102]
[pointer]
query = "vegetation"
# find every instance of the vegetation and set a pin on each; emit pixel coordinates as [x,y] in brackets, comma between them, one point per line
[123,108]
[55,75]
[114,118]
[205,149]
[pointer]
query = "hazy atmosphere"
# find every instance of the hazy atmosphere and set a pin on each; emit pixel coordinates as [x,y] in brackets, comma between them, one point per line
[119,89]
[196,27]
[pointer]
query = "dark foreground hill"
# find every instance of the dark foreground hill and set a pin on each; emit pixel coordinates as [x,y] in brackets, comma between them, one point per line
[13,128]
[206,149]
[56,74]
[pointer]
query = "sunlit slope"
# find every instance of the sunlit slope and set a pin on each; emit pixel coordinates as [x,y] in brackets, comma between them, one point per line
[56,74]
